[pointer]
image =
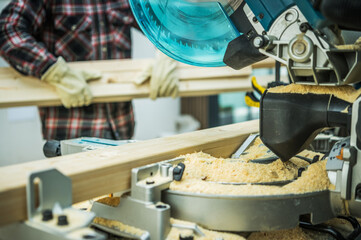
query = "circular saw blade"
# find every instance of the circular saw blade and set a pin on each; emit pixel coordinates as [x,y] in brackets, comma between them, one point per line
[195,33]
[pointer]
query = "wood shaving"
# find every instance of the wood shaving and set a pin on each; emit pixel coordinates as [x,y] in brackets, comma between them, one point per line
[347,93]
[355,47]
[116,225]
[203,171]
[209,235]
[293,234]
[174,232]
[111,201]
[201,165]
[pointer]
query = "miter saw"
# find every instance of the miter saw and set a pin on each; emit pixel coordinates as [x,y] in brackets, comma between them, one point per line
[312,38]
[303,36]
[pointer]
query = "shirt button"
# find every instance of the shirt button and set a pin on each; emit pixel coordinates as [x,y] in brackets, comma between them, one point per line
[73,27]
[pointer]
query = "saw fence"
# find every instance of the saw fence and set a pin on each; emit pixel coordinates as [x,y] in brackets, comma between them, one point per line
[98,172]
[117,82]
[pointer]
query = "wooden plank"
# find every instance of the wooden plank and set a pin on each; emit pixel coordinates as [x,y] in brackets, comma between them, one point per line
[28,93]
[116,84]
[108,170]
[33,92]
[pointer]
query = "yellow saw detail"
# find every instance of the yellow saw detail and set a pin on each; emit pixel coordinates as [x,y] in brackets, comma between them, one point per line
[250,99]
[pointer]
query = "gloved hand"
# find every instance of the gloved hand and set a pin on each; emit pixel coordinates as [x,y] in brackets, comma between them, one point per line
[70,84]
[163,79]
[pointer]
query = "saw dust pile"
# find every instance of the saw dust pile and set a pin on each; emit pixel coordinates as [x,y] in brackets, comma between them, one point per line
[175,233]
[346,93]
[293,234]
[207,174]
[118,226]
[179,228]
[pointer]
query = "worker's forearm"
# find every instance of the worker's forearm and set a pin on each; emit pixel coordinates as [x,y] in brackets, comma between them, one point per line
[19,22]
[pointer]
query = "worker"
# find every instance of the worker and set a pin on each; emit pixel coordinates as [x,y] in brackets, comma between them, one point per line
[39,37]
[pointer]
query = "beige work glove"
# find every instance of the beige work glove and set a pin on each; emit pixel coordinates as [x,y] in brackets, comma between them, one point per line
[163,78]
[70,84]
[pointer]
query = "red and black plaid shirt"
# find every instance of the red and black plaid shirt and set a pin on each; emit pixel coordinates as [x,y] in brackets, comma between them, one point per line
[35,32]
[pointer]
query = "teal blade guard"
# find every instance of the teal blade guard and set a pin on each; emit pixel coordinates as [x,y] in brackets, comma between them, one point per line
[191,32]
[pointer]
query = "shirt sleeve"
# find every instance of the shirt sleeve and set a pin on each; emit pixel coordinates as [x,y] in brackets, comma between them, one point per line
[20,22]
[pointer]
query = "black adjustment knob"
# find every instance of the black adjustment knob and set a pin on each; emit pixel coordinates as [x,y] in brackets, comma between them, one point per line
[178,171]
[304,27]
[47,215]
[62,220]
[52,148]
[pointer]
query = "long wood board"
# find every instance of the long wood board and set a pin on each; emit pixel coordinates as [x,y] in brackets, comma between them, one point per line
[103,171]
[116,84]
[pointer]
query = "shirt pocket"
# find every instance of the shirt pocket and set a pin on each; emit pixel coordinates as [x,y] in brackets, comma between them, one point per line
[74,37]
[120,21]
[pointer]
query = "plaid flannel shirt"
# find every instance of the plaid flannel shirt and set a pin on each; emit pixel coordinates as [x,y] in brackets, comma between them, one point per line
[35,32]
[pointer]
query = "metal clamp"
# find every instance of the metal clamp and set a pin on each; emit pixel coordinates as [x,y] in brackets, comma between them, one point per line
[142,207]
[53,217]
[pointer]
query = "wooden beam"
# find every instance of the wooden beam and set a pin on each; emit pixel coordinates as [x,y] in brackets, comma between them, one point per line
[103,171]
[33,92]
[16,93]
[117,83]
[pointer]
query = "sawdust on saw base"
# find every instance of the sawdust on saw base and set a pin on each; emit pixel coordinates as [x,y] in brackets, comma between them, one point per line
[204,167]
[355,47]
[347,93]
[110,201]
[116,225]
[113,224]
[255,151]
[313,179]
[293,234]
[175,233]
[204,172]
